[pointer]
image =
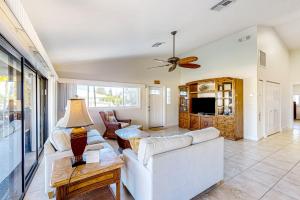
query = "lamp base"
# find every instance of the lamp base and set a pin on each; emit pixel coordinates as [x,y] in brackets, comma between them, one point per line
[78,143]
[76,163]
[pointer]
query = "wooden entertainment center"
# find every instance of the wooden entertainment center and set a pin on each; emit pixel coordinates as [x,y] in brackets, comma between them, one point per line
[227,93]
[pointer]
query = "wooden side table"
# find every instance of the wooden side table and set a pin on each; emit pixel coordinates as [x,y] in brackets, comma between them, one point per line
[86,177]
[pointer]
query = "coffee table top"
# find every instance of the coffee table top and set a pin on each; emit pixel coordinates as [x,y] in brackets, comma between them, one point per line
[62,168]
[131,132]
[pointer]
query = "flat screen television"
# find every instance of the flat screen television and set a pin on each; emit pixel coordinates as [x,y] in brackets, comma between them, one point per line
[203,105]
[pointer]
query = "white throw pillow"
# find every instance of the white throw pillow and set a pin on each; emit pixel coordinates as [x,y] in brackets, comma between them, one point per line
[59,123]
[203,134]
[60,140]
[155,145]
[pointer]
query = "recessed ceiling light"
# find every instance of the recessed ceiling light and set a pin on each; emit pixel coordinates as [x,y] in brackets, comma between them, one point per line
[157,44]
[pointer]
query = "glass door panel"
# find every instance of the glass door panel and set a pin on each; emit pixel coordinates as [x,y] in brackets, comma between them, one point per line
[42,112]
[10,127]
[30,133]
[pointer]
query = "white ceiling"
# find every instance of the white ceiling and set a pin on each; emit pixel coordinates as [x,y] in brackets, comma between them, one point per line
[78,30]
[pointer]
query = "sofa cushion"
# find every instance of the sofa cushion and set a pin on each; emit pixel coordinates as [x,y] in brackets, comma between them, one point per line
[203,134]
[93,147]
[60,140]
[155,145]
[94,137]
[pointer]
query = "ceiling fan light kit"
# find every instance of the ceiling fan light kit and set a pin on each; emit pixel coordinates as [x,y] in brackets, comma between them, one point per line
[176,61]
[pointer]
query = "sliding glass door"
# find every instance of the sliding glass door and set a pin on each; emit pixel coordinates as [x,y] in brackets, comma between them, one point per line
[23,121]
[30,127]
[42,112]
[10,127]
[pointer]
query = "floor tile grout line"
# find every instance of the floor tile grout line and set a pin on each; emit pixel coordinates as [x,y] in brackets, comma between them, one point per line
[249,167]
[284,175]
[256,164]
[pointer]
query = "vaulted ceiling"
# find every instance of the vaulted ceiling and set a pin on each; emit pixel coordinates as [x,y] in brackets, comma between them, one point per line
[78,30]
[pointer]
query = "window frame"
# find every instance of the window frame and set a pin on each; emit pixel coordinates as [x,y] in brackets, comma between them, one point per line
[88,86]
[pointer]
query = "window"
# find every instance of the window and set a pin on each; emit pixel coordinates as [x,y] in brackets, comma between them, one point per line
[168,96]
[102,96]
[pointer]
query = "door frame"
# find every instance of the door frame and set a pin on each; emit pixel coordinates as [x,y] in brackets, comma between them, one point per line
[148,103]
[261,116]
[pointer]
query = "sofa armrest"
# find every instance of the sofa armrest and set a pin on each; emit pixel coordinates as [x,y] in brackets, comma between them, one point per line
[135,176]
[130,154]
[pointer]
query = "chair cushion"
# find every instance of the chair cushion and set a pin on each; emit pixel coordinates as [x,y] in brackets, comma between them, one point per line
[155,145]
[124,124]
[203,134]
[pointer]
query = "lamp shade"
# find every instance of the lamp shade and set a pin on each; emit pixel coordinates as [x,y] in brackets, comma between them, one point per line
[76,114]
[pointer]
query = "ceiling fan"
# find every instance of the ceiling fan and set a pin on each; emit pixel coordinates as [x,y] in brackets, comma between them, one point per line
[181,62]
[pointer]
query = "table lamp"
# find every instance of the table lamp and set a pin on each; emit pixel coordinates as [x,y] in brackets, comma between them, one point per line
[77,117]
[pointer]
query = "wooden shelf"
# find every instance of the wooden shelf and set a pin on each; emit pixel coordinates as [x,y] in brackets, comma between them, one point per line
[229,124]
[204,92]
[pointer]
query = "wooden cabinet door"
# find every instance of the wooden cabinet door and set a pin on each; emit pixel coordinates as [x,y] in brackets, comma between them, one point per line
[194,122]
[184,120]
[207,122]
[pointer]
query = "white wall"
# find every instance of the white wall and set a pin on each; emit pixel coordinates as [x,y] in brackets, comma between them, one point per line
[228,57]
[296,89]
[295,66]
[131,70]
[277,69]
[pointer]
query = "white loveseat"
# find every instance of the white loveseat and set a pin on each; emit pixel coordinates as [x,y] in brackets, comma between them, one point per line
[176,167]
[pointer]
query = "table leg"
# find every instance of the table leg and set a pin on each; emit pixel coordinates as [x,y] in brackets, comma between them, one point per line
[118,185]
[61,193]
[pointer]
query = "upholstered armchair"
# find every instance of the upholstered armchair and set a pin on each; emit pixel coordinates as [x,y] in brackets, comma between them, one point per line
[112,123]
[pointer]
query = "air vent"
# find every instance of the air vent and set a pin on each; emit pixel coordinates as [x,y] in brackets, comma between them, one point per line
[262,59]
[157,44]
[222,4]
[244,38]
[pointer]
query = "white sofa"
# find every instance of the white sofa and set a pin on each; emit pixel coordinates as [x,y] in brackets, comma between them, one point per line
[51,154]
[179,167]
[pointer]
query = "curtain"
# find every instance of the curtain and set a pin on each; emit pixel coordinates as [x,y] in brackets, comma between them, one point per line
[65,92]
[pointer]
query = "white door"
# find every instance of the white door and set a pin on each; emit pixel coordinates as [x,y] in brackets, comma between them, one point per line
[272,108]
[261,130]
[155,106]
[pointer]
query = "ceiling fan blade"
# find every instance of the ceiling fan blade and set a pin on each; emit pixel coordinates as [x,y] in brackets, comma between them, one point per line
[187,60]
[162,61]
[159,66]
[172,68]
[190,65]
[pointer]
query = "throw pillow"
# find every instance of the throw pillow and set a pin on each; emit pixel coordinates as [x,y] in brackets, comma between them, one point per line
[134,143]
[110,116]
[60,140]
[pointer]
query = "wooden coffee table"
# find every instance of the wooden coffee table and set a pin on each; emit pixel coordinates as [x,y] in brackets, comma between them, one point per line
[88,177]
[124,134]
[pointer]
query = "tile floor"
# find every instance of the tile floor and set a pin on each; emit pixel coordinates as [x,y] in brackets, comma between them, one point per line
[267,170]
